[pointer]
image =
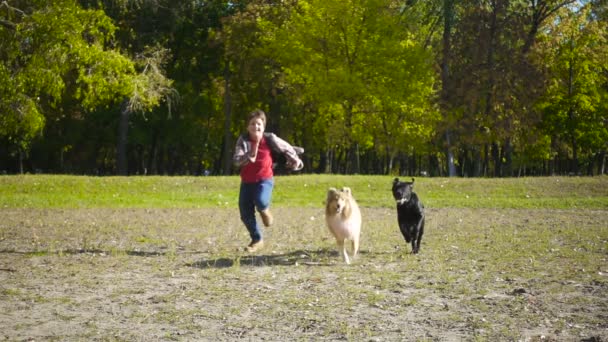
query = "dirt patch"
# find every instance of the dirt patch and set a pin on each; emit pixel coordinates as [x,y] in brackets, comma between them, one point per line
[101,274]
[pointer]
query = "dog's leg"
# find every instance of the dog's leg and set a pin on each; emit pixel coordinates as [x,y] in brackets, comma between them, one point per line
[418,236]
[405,231]
[412,234]
[342,249]
[355,245]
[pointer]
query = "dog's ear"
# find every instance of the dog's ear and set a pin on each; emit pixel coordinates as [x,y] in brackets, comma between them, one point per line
[330,192]
[412,180]
[395,181]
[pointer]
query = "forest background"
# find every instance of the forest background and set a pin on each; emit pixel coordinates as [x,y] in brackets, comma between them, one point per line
[483,88]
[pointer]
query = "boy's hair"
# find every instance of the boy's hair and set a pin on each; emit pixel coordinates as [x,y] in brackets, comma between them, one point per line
[258,113]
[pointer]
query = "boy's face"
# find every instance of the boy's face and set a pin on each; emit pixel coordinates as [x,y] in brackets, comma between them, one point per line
[255,128]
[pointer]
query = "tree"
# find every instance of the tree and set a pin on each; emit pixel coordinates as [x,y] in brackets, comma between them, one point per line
[359,66]
[446,60]
[574,106]
[57,61]
[495,84]
[150,88]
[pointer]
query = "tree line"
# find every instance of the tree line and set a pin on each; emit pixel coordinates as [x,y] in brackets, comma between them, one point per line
[484,88]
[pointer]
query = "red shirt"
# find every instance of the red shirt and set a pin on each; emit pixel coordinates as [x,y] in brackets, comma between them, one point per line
[260,169]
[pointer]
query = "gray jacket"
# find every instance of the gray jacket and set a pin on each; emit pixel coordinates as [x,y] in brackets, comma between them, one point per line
[278,145]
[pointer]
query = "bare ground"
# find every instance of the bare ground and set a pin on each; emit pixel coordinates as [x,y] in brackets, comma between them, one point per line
[179,274]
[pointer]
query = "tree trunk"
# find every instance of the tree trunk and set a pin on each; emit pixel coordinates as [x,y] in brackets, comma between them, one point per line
[388,164]
[339,164]
[153,155]
[413,165]
[508,154]
[352,154]
[354,159]
[450,156]
[478,162]
[20,161]
[591,164]
[322,168]
[497,160]
[122,167]
[574,165]
[486,160]
[227,148]
[572,119]
[541,10]
[490,62]
[491,82]
[553,162]
[448,16]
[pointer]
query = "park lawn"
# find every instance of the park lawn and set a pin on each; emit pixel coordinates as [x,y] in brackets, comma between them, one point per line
[161,258]
[58,191]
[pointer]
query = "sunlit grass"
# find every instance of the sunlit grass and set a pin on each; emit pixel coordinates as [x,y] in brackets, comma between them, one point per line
[55,191]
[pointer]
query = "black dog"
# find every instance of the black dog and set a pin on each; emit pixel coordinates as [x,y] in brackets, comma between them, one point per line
[410,212]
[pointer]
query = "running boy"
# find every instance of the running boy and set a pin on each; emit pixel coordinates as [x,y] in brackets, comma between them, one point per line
[253,156]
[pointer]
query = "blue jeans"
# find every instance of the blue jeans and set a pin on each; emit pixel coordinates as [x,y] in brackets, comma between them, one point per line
[252,196]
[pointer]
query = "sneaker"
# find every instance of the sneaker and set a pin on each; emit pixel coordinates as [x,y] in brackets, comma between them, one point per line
[254,246]
[266,217]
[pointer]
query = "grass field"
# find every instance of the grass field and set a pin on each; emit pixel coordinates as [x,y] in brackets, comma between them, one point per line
[306,191]
[161,258]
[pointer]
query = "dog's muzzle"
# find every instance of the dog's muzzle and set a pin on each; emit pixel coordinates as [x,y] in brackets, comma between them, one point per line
[401,201]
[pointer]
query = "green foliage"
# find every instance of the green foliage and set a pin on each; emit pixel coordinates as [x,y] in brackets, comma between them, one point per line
[577,52]
[360,66]
[345,79]
[58,54]
[21,119]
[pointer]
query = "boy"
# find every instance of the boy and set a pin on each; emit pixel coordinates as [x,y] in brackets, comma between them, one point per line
[253,156]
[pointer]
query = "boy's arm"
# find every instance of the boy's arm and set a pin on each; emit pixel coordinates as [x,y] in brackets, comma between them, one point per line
[290,152]
[243,153]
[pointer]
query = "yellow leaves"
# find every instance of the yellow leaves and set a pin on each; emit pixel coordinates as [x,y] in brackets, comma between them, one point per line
[151,86]
[407,44]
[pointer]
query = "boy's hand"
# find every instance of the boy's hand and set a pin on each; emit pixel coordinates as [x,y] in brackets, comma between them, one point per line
[256,136]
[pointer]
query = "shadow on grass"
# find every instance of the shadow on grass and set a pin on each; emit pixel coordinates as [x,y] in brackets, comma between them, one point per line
[83,251]
[321,257]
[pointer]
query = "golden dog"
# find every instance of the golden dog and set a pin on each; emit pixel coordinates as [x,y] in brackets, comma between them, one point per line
[343,219]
